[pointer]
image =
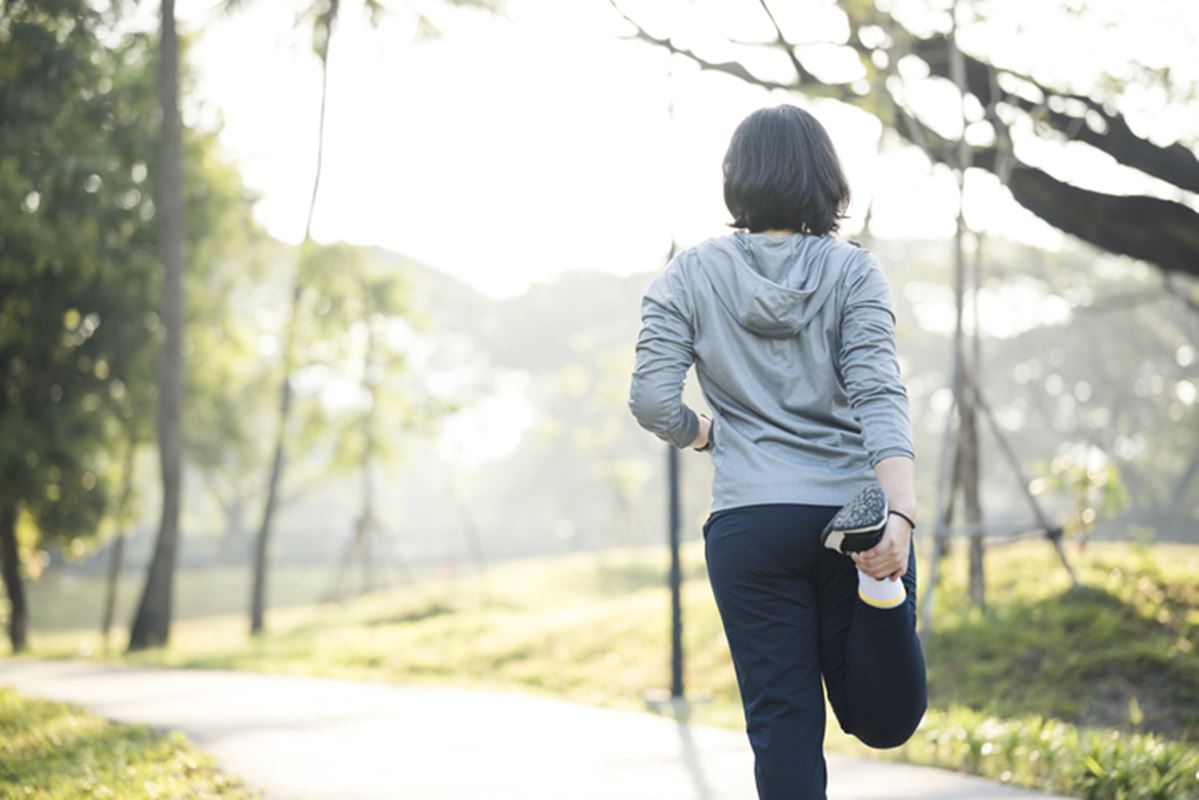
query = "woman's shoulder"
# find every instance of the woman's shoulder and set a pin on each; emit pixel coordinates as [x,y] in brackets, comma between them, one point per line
[858,257]
[718,249]
[720,243]
[699,257]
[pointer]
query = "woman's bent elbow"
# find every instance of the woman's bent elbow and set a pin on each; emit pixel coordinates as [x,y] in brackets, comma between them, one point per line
[650,414]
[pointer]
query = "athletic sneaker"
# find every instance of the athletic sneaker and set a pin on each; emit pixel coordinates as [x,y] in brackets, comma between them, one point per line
[859,524]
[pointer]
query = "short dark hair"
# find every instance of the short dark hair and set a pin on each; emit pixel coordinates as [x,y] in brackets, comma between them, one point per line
[781,171]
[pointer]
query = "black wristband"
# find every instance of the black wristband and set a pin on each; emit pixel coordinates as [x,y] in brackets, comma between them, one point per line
[905,516]
[709,444]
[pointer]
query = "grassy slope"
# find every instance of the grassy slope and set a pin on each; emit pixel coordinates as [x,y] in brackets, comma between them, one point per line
[55,750]
[1117,654]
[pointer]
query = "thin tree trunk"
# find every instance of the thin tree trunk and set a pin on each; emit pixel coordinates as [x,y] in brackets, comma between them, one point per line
[118,549]
[973,508]
[972,467]
[367,524]
[116,556]
[232,539]
[967,440]
[10,565]
[152,624]
[262,540]
[946,484]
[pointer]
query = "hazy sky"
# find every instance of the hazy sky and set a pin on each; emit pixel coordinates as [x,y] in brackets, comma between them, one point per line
[514,148]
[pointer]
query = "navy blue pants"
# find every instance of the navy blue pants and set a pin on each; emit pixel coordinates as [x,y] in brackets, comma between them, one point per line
[791,613]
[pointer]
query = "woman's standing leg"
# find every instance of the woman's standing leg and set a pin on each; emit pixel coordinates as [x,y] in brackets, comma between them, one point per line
[871,657]
[762,577]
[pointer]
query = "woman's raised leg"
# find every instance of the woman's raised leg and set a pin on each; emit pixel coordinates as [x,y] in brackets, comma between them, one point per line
[871,657]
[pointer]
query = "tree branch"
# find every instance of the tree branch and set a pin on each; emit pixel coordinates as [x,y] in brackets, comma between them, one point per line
[1163,232]
[1176,164]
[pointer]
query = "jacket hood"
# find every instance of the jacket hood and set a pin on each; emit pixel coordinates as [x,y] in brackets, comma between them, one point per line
[775,285]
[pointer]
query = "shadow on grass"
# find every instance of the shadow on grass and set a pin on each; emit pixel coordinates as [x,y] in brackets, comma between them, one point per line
[434,609]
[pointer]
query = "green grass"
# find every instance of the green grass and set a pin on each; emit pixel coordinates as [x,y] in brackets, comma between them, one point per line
[60,601]
[1031,691]
[1118,652]
[56,750]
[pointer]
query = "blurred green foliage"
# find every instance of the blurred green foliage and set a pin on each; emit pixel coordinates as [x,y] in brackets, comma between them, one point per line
[1055,756]
[80,275]
[1095,490]
[77,263]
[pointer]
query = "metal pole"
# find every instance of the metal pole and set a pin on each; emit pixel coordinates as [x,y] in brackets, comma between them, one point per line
[676,580]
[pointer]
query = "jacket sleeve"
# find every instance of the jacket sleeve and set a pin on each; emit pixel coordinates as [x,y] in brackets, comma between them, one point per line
[869,366]
[662,357]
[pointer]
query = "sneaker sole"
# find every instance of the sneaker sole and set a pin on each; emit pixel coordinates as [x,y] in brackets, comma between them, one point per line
[859,524]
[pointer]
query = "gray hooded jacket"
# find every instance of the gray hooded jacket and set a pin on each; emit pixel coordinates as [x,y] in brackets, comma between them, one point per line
[793,341]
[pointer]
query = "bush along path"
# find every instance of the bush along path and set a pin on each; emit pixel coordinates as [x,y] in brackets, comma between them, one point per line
[58,750]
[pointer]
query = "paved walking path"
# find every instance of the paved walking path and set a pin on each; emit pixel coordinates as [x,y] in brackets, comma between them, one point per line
[300,738]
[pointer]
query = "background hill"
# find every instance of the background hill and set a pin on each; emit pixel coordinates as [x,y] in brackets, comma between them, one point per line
[1077,378]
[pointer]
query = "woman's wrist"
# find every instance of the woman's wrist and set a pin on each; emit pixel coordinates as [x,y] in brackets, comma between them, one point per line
[705,434]
[896,475]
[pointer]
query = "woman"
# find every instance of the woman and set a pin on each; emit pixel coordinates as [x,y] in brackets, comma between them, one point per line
[792,334]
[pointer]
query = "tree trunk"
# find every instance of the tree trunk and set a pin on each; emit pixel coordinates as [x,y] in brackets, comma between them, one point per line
[10,565]
[233,510]
[152,624]
[262,540]
[946,485]
[110,592]
[118,549]
[973,465]
[970,496]
[367,526]
[967,438]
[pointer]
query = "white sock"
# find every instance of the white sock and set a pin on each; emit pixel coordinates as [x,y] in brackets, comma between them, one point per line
[884,593]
